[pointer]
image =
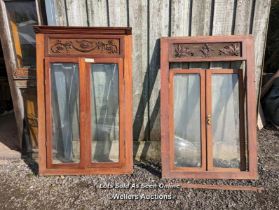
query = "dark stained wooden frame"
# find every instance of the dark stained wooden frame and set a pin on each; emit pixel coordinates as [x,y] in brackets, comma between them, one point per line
[167,57]
[23,72]
[84,167]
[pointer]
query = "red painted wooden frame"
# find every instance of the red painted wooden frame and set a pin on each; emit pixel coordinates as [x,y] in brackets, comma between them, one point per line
[184,53]
[123,59]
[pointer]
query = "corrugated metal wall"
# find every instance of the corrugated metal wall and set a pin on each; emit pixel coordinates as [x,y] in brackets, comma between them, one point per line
[152,19]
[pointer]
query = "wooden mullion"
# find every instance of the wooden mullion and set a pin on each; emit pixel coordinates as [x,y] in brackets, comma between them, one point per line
[82,113]
[88,125]
[208,96]
[203,118]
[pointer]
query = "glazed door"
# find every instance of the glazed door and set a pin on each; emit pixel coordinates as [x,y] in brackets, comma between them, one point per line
[84,112]
[225,117]
[63,112]
[206,120]
[105,96]
[187,95]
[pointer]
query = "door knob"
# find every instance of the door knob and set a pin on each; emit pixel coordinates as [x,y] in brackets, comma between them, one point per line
[208,119]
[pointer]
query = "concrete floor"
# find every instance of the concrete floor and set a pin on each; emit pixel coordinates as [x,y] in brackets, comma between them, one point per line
[9,145]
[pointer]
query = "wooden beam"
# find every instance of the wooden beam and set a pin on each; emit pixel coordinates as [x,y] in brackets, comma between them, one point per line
[222,187]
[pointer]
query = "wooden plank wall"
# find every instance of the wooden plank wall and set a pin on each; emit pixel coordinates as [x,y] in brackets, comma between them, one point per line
[151,20]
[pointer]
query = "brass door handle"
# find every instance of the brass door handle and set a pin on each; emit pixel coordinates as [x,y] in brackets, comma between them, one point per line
[208,119]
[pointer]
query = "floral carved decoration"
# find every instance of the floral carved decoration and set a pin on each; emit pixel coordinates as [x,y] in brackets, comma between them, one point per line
[60,47]
[109,47]
[182,51]
[206,50]
[84,46]
[231,50]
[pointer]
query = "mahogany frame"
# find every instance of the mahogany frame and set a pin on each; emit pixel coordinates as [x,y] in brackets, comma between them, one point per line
[244,53]
[123,59]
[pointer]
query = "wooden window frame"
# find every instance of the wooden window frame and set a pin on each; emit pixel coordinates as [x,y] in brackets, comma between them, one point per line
[189,51]
[201,73]
[121,99]
[84,60]
[21,72]
[209,73]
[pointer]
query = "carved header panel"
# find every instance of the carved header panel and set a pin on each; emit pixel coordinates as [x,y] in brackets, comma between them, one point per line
[24,73]
[86,46]
[206,50]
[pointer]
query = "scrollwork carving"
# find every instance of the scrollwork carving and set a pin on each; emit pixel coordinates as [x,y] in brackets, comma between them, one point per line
[84,46]
[61,47]
[109,46]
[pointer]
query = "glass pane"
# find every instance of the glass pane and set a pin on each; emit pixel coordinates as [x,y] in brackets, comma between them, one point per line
[22,17]
[225,120]
[105,112]
[187,130]
[65,112]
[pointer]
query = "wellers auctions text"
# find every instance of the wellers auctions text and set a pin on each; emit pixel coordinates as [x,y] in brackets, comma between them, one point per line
[138,186]
[142,197]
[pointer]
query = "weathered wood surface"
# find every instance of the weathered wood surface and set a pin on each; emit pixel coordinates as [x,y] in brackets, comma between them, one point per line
[159,18]
[10,62]
[56,13]
[153,19]
[97,13]
[259,30]
[222,24]
[77,11]
[138,19]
